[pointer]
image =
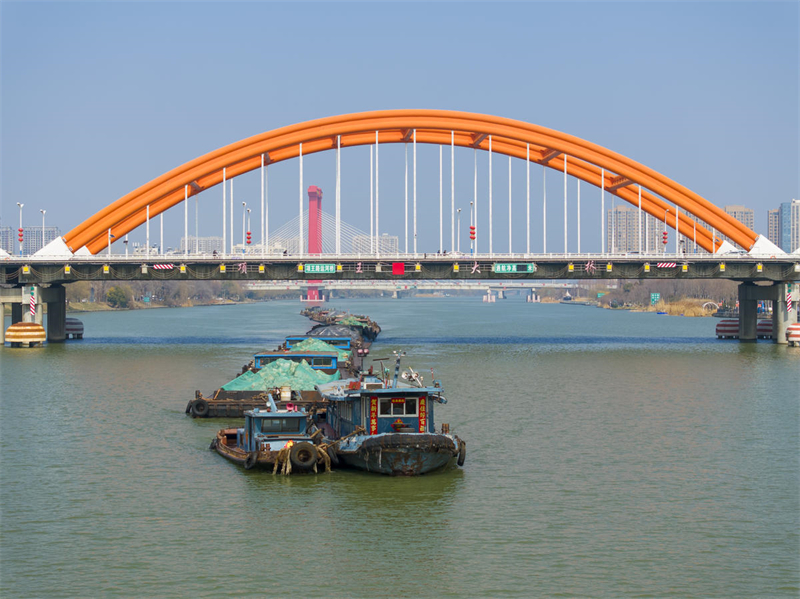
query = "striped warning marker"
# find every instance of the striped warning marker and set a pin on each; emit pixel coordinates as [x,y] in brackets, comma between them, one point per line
[728,329]
[793,334]
[163,266]
[764,329]
[666,265]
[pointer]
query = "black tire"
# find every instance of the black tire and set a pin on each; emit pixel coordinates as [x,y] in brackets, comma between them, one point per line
[332,455]
[462,453]
[214,444]
[200,408]
[250,460]
[303,455]
[189,407]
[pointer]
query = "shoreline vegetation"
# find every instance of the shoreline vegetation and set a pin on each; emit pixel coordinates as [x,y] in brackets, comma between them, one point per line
[693,298]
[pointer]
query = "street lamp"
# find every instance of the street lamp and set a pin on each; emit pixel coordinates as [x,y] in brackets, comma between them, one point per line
[244,223]
[43,212]
[20,227]
[471,241]
[458,249]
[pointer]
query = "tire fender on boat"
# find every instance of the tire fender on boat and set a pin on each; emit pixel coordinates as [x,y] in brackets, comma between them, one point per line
[303,455]
[214,444]
[462,452]
[200,408]
[332,455]
[250,460]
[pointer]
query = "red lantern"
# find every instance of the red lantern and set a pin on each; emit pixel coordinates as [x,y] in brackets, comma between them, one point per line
[664,235]
[472,232]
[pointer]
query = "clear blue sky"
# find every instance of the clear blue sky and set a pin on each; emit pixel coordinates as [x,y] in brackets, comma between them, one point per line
[100,97]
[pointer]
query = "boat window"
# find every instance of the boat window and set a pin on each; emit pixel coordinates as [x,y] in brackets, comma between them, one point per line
[280,425]
[323,361]
[398,406]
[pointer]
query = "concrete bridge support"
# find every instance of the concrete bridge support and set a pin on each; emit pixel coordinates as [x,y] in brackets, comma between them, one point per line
[750,294]
[56,299]
[395,294]
[20,297]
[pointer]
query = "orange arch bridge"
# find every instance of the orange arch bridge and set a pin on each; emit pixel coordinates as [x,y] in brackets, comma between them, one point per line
[584,160]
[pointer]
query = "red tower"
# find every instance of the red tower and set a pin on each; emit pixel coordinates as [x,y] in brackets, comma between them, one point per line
[314,233]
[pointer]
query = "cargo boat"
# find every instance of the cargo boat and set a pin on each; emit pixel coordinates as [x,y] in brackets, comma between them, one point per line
[283,441]
[225,402]
[387,426]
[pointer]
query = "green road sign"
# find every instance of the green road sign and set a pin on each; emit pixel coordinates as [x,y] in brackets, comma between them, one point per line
[513,267]
[320,268]
[654,297]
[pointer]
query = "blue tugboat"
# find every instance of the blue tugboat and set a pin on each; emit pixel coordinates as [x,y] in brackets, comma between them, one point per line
[387,426]
[281,440]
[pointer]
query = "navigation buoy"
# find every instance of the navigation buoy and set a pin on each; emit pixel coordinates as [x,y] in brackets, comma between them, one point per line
[793,334]
[728,329]
[74,327]
[25,334]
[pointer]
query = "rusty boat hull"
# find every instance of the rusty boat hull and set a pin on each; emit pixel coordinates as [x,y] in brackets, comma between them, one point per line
[400,454]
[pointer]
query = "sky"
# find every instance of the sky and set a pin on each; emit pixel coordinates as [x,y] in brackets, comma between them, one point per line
[98,98]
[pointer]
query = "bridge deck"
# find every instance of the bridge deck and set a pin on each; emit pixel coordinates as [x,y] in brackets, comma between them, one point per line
[28,270]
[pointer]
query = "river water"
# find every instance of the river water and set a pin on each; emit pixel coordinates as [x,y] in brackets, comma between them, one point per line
[609,454]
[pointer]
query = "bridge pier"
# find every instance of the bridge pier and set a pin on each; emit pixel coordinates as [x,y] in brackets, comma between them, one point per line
[395,294]
[501,294]
[56,299]
[750,294]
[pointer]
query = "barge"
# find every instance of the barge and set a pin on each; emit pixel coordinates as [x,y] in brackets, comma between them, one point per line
[331,351]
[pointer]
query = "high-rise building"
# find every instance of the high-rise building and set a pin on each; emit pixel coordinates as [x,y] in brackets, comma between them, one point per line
[790,226]
[622,231]
[386,244]
[33,239]
[201,245]
[7,239]
[743,215]
[774,226]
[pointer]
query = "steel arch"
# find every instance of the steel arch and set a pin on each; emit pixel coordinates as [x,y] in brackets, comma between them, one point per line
[510,137]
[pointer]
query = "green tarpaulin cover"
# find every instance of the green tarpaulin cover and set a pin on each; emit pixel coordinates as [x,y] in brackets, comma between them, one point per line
[317,345]
[298,376]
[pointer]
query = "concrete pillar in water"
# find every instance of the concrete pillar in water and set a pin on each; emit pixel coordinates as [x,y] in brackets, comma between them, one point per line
[748,312]
[395,294]
[56,299]
[781,317]
[16,313]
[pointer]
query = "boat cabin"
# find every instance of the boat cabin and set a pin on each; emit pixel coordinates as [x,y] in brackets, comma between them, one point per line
[379,409]
[328,362]
[337,342]
[269,430]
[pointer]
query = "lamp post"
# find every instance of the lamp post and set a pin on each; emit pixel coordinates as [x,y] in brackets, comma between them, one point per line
[471,215]
[43,213]
[20,227]
[459,230]
[244,223]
